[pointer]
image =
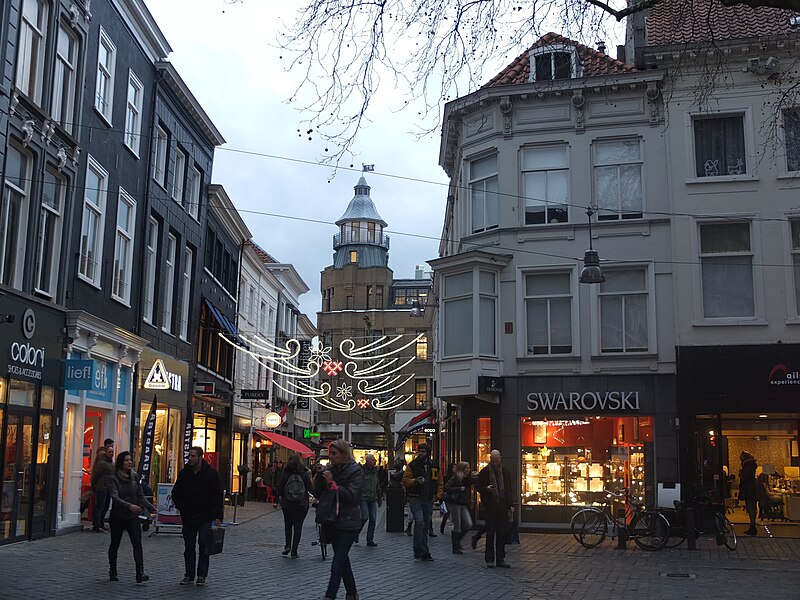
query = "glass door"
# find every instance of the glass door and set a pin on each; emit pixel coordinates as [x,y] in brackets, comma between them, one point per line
[17,472]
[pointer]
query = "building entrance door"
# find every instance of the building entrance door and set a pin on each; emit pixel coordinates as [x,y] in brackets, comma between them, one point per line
[15,506]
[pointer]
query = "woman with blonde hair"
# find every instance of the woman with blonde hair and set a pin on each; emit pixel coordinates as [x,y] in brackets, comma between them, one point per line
[458,495]
[343,477]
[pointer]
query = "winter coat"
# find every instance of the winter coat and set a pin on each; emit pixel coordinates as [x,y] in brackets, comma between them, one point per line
[287,473]
[487,496]
[372,485]
[198,496]
[747,480]
[125,492]
[432,487]
[453,494]
[102,471]
[349,479]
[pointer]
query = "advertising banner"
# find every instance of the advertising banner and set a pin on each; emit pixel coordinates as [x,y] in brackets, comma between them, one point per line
[167,513]
[145,459]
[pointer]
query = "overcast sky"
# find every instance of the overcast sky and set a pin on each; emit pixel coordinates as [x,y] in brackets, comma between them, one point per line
[226,54]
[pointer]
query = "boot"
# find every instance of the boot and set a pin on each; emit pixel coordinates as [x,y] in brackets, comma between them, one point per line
[475,539]
[456,537]
[408,527]
[112,572]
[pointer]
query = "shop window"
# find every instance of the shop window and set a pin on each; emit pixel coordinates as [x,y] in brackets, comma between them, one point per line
[205,433]
[167,451]
[571,462]
[726,261]
[484,443]
[239,458]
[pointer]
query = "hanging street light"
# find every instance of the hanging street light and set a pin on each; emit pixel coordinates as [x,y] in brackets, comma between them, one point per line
[591,272]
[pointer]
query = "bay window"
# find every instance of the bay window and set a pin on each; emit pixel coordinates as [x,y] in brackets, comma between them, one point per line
[470,313]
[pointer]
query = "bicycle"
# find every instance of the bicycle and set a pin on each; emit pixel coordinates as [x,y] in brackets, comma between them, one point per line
[711,518]
[580,517]
[321,541]
[648,528]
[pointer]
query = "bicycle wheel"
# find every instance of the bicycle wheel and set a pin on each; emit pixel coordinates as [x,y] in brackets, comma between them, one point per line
[677,531]
[725,529]
[578,520]
[594,530]
[323,545]
[650,530]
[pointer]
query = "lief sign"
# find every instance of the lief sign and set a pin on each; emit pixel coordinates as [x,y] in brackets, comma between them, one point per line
[81,374]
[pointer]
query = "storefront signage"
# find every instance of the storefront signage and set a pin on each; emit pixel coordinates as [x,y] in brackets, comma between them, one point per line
[583,402]
[491,385]
[79,374]
[187,436]
[160,379]
[307,433]
[29,359]
[205,388]
[429,429]
[209,408]
[253,394]
[780,375]
[273,420]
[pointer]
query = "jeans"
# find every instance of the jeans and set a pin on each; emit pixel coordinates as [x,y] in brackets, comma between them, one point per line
[102,499]
[293,517]
[369,512]
[422,511]
[462,521]
[134,529]
[496,531]
[341,571]
[194,535]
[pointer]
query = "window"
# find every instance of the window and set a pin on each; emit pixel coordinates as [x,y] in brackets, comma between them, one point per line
[63,106]
[160,155]
[94,206]
[618,179]
[123,247]
[150,258]
[379,296]
[49,242]
[623,311]
[548,313]
[262,318]
[133,113]
[31,49]
[545,174]
[487,312]
[458,314]
[726,260]
[104,87]
[14,216]
[719,146]
[354,256]
[422,346]
[195,191]
[179,176]
[795,230]
[169,284]
[554,61]
[791,137]
[420,394]
[483,189]
[188,262]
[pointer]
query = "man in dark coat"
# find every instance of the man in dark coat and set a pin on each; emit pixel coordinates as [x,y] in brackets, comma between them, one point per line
[423,483]
[199,498]
[747,488]
[102,471]
[497,503]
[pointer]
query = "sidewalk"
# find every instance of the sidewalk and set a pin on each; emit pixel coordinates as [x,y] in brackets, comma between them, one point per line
[545,567]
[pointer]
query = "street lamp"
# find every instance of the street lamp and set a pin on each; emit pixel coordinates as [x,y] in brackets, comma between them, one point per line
[591,272]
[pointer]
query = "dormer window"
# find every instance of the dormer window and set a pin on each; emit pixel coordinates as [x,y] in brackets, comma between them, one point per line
[557,61]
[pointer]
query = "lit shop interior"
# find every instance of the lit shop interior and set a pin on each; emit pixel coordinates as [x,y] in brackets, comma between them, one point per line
[570,462]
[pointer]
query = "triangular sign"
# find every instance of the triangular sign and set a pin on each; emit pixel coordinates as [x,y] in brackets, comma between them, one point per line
[157,377]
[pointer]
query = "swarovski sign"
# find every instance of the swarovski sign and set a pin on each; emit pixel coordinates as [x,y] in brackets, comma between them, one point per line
[583,401]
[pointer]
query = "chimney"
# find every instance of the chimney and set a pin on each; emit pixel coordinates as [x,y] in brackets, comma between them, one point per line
[601,46]
[621,53]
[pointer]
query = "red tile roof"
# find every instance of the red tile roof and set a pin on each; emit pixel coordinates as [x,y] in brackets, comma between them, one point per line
[685,21]
[594,62]
[265,256]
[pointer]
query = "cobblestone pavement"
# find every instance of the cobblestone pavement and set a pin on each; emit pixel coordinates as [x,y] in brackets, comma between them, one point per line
[545,567]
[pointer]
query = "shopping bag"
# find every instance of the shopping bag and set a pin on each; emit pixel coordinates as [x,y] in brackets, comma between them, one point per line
[214,541]
[512,537]
[442,508]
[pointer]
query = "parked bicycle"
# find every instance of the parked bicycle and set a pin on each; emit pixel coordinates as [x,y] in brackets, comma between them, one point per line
[710,518]
[321,541]
[648,528]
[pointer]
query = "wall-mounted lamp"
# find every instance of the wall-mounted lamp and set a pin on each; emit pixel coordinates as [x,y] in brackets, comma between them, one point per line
[591,272]
[258,444]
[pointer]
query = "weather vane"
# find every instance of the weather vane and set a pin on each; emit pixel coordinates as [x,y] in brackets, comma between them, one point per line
[367,168]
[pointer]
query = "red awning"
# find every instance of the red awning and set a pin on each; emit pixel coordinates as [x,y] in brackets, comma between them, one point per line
[286,442]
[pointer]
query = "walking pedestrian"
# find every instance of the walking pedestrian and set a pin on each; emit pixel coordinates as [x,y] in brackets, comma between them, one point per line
[457,495]
[199,498]
[446,513]
[295,488]
[497,504]
[748,490]
[127,508]
[277,481]
[102,471]
[423,482]
[371,499]
[344,477]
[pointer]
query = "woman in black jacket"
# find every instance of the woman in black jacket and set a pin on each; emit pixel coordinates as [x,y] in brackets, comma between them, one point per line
[128,504]
[294,489]
[345,478]
[458,497]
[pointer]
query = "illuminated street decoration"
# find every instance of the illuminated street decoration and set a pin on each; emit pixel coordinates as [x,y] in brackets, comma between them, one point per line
[374,372]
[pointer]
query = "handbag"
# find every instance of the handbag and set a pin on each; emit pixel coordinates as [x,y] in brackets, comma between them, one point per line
[214,542]
[328,508]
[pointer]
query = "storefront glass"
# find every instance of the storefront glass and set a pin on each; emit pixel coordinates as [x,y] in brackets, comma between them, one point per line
[205,436]
[238,459]
[167,444]
[570,462]
[484,444]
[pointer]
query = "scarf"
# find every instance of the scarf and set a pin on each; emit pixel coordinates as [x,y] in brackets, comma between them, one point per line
[496,479]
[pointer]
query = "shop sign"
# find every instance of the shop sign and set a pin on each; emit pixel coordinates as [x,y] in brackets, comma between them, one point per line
[429,429]
[80,374]
[253,394]
[780,375]
[308,434]
[302,403]
[583,402]
[26,360]
[273,420]
[491,385]
[160,379]
[204,388]
[209,407]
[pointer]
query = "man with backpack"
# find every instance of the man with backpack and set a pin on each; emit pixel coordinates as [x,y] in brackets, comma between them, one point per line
[294,488]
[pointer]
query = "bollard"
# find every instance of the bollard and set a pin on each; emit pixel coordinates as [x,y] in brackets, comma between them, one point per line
[235,498]
[691,526]
[622,530]
[395,504]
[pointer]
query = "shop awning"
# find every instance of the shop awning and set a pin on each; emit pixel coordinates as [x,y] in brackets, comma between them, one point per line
[286,442]
[226,325]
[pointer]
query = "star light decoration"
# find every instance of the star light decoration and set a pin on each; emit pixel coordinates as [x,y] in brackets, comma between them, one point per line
[376,369]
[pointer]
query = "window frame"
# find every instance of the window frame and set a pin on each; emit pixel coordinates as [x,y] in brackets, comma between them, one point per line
[475,295]
[104,103]
[604,214]
[576,65]
[128,236]
[26,56]
[194,199]
[484,180]
[21,225]
[99,212]
[522,316]
[150,266]
[188,266]
[545,202]
[751,160]
[63,101]
[421,389]
[48,215]
[783,137]
[133,114]
[179,176]
[160,154]
[168,310]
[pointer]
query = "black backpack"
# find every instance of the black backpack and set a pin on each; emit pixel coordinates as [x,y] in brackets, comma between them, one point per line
[295,489]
